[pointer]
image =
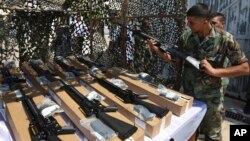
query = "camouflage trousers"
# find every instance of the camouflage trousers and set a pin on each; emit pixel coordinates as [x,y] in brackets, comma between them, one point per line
[212,121]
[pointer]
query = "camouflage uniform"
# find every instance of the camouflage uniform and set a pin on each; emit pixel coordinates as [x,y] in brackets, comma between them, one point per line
[215,48]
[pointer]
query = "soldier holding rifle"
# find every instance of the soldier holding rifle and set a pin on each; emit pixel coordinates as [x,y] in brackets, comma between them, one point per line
[210,45]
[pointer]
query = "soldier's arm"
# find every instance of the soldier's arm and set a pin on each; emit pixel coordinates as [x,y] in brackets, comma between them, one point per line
[240,66]
[232,71]
[164,55]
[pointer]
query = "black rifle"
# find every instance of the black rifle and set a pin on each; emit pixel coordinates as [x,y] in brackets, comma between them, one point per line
[41,72]
[67,67]
[8,78]
[41,128]
[129,96]
[123,129]
[90,63]
[168,48]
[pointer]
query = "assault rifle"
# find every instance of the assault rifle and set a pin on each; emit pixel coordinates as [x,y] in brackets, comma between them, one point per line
[66,67]
[167,47]
[41,128]
[89,62]
[41,72]
[123,129]
[129,96]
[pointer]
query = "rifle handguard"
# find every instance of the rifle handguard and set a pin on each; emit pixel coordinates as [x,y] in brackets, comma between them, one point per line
[110,109]
[146,37]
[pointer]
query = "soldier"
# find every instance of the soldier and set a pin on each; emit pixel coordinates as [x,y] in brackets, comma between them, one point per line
[218,20]
[209,45]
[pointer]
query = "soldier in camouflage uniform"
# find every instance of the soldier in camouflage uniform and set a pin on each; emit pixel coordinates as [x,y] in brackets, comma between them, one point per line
[218,20]
[210,45]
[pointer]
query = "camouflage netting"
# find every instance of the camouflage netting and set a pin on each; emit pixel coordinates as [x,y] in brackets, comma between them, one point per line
[31,29]
[162,19]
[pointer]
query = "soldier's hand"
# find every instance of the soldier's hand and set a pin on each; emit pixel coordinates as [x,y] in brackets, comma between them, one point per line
[152,46]
[165,55]
[207,67]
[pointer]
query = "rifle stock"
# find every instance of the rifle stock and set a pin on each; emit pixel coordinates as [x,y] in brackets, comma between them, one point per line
[123,129]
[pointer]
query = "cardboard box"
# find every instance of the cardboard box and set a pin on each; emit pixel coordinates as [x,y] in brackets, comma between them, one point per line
[71,108]
[33,77]
[18,119]
[152,128]
[178,107]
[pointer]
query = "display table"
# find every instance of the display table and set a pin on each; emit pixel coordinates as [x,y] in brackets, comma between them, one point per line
[4,131]
[180,129]
[183,127]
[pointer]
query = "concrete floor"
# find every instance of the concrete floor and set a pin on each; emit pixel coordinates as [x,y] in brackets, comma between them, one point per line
[231,103]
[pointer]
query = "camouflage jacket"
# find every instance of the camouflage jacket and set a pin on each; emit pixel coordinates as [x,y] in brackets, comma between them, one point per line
[215,47]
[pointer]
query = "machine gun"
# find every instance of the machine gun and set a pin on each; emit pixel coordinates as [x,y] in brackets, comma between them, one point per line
[123,129]
[41,128]
[8,78]
[167,47]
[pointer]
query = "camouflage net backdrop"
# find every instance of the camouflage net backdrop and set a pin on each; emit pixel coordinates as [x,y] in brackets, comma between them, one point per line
[31,29]
[161,19]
